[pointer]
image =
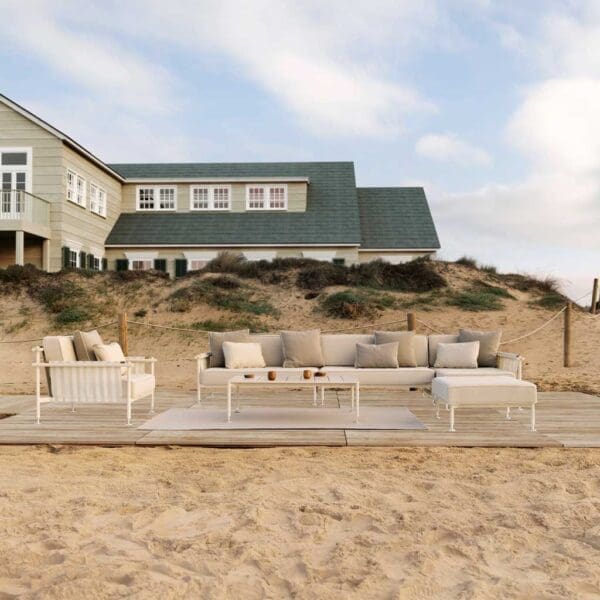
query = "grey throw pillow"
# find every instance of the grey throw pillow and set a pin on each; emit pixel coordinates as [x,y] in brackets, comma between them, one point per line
[377,356]
[406,345]
[302,348]
[84,342]
[489,343]
[461,355]
[215,344]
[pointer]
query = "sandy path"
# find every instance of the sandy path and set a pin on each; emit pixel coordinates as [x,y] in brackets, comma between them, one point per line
[303,523]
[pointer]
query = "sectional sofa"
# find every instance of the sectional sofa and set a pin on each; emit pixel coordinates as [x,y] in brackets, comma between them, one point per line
[339,351]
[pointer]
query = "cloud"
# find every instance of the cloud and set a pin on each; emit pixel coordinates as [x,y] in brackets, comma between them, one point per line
[450,148]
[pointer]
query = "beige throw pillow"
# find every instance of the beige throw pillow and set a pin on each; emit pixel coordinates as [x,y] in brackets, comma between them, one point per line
[457,356]
[489,343]
[215,344]
[84,342]
[302,348]
[240,355]
[377,356]
[109,352]
[406,345]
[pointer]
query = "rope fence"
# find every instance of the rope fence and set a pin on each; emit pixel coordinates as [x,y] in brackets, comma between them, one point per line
[40,339]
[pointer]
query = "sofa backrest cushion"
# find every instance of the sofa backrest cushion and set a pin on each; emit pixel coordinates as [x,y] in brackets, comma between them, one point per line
[436,339]
[489,343]
[215,344]
[272,349]
[406,345]
[59,348]
[84,342]
[339,350]
[302,348]
[421,350]
[377,356]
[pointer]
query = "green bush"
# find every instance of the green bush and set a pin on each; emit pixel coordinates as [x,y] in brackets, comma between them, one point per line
[230,325]
[59,295]
[73,314]
[467,261]
[419,275]
[530,283]
[475,301]
[16,275]
[552,301]
[141,313]
[225,282]
[319,275]
[351,304]
[482,286]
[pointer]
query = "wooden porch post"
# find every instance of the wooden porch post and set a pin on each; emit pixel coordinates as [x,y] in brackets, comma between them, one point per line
[567,336]
[411,321]
[123,335]
[594,297]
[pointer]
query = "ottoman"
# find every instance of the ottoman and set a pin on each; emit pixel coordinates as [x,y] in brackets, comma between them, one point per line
[495,392]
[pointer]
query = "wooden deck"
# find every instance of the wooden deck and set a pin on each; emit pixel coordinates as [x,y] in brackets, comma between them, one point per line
[565,419]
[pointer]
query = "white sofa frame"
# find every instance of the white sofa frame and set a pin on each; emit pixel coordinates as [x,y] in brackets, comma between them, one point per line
[90,382]
[506,361]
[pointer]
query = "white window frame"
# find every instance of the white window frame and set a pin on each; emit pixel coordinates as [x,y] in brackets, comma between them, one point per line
[97,199]
[156,197]
[267,195]
[27,169]
[203,256]
[146,257]
[211,197]
[79,184]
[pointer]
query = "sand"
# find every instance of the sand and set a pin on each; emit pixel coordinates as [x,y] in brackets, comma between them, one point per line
[303,523]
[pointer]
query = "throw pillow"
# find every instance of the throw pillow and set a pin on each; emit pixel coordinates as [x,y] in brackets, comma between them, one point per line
[302,348]
[84,342]
[489,343]
[215,344]
[377,356]
[109,352]
[406,345]
[457,355]
[240,355]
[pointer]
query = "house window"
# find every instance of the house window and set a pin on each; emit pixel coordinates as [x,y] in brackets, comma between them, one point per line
[73,259]
[210,197]
[156,198]
[80,191]
[97,200]
[71,179]
[96,263]
[15,174]
[76,188]
[141,265]
[266,197]
[256,197]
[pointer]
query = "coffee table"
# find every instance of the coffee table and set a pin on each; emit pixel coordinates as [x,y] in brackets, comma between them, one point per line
[294,380]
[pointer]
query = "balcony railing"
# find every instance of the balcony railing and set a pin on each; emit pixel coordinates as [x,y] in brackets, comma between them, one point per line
[19,205]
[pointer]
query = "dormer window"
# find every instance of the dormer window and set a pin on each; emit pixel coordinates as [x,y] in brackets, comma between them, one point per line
[156,198]
[210,197]
[266,197]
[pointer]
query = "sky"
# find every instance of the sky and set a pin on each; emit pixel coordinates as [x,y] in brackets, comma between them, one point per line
[493,107]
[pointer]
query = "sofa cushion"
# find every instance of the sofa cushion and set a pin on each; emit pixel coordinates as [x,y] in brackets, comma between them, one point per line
[272,349]
[59,348]
[489,343]
[141,385]
[421,350]
[479,391]
[479,372]
[340,349]
[406,345]
[377,356]
[387,377]
[215,344]
[302,348]
[243,355]
[457,355]
[84,342]
[436,339]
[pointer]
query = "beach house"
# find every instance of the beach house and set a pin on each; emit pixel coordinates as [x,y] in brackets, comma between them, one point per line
[63,207]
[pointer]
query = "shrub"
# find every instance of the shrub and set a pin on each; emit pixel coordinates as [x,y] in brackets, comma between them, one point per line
[73,314]
[230,325]
[225,282]
[17,275]
[138,275]
[501,292]
[491,269]
[57,296]
[552,301]
[530,283]
[476,301]
[467,261]
[141,313]
[320,275]
[351,304]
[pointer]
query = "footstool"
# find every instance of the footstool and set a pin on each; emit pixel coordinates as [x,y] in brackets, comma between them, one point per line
[494,392]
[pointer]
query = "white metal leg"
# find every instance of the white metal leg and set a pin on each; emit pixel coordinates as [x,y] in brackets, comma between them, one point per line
[152,403]
[199,395]
[37,390]
[237,398]
[315,395]
[508,413]
[229,402]
[322,395]
[452,419]
[533,417]
[352,398]
[357,402]
[437,410]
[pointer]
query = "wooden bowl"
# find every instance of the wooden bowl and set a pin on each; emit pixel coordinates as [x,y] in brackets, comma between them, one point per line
[249,375]
[320,374]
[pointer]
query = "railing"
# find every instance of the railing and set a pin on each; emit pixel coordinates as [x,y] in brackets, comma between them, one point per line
[16,205]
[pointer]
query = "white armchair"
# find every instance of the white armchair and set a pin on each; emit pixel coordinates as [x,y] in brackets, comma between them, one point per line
[86,382]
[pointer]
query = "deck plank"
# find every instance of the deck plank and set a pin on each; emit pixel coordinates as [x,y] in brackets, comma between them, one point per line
[569,419]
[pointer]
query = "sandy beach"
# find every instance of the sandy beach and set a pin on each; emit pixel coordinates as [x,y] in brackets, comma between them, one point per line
[301,523]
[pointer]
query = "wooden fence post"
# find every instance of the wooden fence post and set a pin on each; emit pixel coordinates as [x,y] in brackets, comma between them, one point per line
[594,297]
[411,321]
[567,336]
[123,336]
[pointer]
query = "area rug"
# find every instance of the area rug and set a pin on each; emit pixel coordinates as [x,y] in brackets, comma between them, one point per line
[371,417]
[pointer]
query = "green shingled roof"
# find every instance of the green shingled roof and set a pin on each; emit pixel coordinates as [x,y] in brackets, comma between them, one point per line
[394,217]
[331,216]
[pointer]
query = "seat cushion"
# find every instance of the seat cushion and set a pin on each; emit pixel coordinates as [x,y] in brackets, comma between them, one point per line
[480,372]
[220,376]
[84,342]
[384,377]
[339,349]
[481,391]
[141,385]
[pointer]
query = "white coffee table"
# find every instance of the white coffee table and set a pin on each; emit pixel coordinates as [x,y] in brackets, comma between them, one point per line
[294,380]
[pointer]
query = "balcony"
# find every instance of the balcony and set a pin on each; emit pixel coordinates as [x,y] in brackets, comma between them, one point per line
[22,211]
